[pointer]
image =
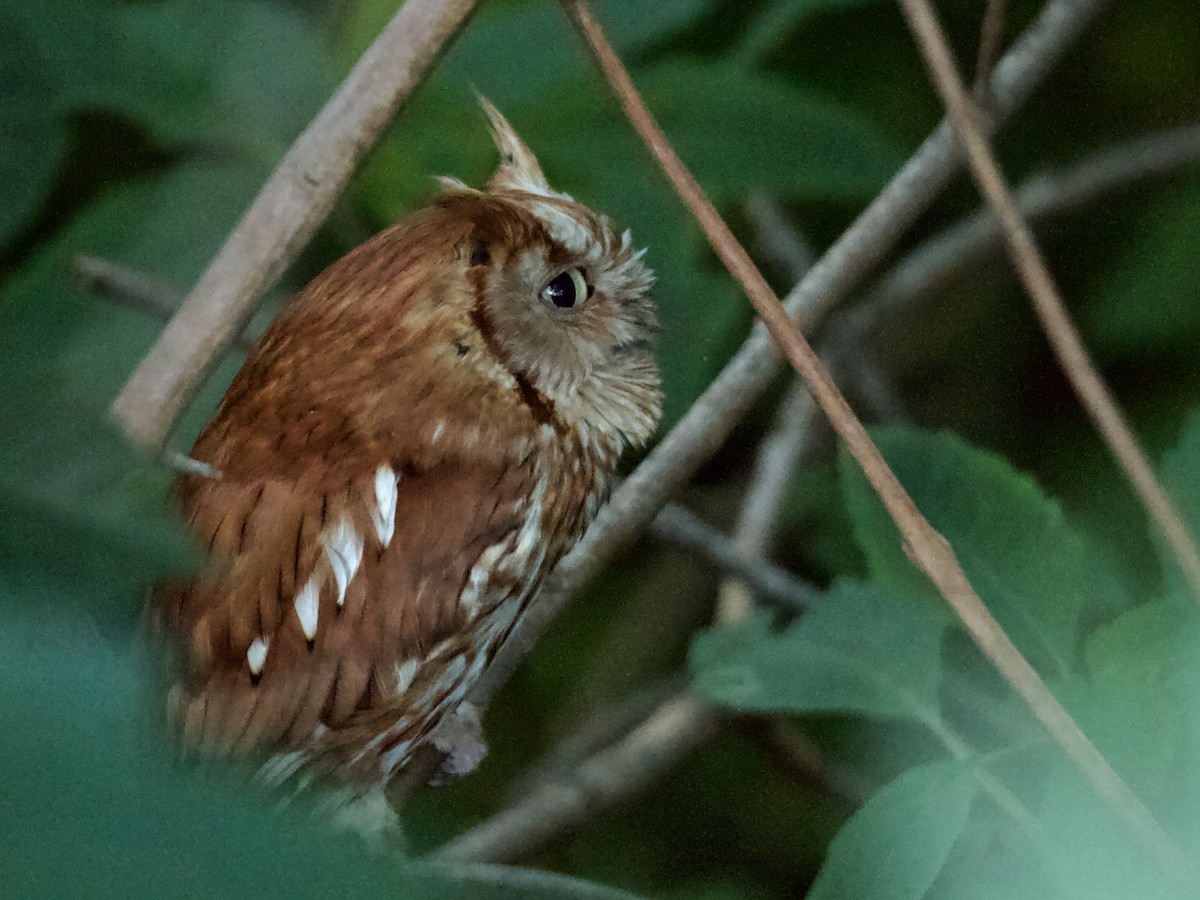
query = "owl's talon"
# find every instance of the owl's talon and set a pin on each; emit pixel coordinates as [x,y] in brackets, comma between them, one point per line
[460,738]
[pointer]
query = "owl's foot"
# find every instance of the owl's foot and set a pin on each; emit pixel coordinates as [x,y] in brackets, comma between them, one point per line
[460,738]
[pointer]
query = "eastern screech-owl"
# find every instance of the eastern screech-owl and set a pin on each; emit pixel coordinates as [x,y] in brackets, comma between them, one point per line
[406,453]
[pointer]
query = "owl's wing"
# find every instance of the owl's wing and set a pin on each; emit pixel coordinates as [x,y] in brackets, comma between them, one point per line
[333,602]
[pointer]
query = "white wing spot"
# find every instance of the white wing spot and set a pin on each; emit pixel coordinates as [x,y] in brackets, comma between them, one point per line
[307,604]
[477,582]
[405,672]
[257,654]
[383,513]
[344,547]
[530,534]
[437,432]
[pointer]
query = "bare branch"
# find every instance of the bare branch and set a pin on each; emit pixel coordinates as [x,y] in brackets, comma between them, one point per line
[599,783]
[706,424]
[679,526]
[1074,360]
[284,215]
[991,34]
[946,256]
[1048,304]
[136,290]
[927,548]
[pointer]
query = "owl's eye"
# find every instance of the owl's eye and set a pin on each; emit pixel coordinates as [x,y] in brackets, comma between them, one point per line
[566,289]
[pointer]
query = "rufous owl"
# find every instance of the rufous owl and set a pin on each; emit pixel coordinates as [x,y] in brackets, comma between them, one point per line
[406,453]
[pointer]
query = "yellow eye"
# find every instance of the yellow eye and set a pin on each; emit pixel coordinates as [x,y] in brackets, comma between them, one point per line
[566,289]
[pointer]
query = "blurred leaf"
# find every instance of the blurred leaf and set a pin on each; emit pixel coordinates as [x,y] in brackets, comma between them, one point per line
[1024,559]
[1181,480]
[168,226]
[894,847]
[32,138]
[90,807]
[740,131]
[245,73]
[863,648]
[1087,851]
[1147,302]
[774,23]
[1131,704]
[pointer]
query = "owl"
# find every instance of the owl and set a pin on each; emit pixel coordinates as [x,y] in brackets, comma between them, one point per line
[404,456]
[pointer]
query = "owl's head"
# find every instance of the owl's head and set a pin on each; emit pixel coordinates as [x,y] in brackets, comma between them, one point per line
[493,318]
[560,296]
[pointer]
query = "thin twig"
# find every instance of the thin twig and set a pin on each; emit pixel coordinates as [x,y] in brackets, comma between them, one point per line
[137,290]
[991,35]
[708,422]
[1051,311]
[948,255]
[1074,360]
[679,526]
[284,215]
[925,546]
[571,800]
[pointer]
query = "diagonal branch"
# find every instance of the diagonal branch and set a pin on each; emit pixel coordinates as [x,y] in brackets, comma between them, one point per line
[708,422]
[289,208]
[927,548]
[1050,309]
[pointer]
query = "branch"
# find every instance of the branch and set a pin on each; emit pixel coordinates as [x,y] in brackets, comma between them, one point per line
[946,256]
[602,781]
[284,215]
[1073,358]
[680,526]
[991,33]
[634,762]
[925,546]
[708,422]
[1051,311]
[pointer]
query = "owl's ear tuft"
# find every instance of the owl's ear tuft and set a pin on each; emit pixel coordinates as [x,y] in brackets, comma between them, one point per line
[518,167]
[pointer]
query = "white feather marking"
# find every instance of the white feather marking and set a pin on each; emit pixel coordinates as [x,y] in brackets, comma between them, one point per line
[447,682]
[257,654]
[307,605]
[344,547]
[437,432]
[477,581]
[383,513]
[405,672]
[530,534]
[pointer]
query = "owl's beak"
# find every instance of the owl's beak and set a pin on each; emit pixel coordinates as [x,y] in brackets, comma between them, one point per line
[518,167]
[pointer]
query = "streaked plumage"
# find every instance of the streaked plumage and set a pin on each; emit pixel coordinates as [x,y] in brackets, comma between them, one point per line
[405,454]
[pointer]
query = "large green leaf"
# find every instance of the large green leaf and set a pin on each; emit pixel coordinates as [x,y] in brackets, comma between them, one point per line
[768,29]
[1024,559]
[243,73]
[894,847]
[91,808]
[32,138]
[1147,302]
[1181,479]
[863,648]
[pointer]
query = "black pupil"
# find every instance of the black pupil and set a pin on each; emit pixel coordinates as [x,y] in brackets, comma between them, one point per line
[561,291]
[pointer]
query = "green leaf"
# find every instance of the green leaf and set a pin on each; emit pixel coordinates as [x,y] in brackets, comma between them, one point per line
[1181,480]
[243,73]
[1024,559]
[894,847]
[1146,304]
[774,23]
[863,648]
[32,139]
[91,806]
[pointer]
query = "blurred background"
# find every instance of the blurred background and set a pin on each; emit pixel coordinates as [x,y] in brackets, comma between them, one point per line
[139,131]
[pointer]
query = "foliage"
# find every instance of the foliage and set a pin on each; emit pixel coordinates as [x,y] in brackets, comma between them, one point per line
[138,130]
